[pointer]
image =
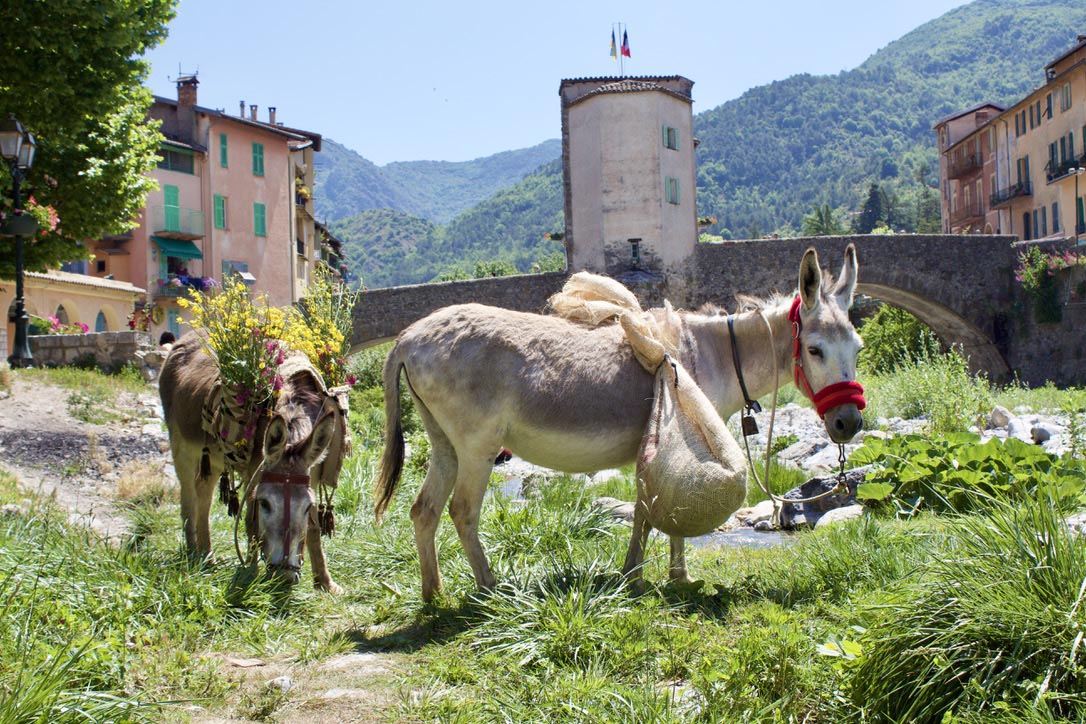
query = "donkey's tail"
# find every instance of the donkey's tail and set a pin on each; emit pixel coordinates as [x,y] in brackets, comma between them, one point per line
[392,457]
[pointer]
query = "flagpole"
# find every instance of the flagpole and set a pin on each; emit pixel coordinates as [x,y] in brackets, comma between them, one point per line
[621,58]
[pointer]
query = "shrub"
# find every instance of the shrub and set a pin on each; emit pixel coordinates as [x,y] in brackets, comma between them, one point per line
[894,338]
[938,387]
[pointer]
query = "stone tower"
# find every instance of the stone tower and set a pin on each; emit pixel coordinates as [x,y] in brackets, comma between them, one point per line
[628,171]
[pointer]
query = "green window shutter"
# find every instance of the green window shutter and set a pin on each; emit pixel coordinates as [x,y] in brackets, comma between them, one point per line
[258,159]
[220,212]
[675,138]
[259,220]
[663,130]
[172,208]
[223,156]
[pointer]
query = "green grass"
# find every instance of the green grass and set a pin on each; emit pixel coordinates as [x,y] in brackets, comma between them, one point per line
[975,615]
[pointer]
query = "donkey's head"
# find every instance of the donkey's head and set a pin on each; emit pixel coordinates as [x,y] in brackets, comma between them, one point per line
[280,508]
[825,346]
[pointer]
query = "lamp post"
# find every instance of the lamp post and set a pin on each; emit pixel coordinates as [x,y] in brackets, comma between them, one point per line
[1079,230]
[17,147]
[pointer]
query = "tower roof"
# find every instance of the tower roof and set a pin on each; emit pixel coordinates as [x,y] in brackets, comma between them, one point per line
[575,90]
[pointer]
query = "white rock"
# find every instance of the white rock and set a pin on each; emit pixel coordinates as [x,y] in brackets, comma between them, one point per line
[999,417]
[620,509]
[282,683]
[763,511]
[1019,428]
[839,515]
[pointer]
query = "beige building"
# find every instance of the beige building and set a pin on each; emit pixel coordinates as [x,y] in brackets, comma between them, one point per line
[1019,168]
[628,160]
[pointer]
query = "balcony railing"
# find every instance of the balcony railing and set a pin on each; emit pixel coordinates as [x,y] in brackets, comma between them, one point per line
[965,212]
[1059,171]
[960,167]
[173,286]
[175,222]
[1007,193]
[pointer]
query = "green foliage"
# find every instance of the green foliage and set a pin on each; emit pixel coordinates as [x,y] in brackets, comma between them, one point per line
[991,631]
[938,387]
[892,338]
[74,79]
[822,222]
[956,472]
[439,191]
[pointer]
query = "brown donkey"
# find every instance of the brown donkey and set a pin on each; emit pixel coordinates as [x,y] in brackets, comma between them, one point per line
[292,438]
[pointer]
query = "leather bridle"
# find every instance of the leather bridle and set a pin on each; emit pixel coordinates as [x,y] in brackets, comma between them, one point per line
[268,477]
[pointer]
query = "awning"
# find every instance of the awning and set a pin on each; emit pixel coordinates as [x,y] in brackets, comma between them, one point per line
[178,248]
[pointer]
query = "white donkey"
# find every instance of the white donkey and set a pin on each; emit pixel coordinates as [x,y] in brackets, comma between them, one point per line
[572,397]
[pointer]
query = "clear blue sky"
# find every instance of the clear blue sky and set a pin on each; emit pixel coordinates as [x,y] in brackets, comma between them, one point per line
[426,80]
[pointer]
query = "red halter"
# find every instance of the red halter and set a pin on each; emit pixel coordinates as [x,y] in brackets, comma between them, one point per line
[830,396]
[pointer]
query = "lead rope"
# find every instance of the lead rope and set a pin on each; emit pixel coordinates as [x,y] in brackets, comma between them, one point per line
[249,559]
[749,423]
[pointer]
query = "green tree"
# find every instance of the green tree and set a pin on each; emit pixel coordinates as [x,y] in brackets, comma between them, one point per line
[872,212]
[484,269]
[74,79]
[822,222]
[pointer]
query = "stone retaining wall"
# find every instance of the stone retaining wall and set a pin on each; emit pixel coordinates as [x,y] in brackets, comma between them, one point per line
[106,349]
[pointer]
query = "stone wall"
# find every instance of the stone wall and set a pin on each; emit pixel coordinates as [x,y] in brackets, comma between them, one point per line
[381,314]
[107,349]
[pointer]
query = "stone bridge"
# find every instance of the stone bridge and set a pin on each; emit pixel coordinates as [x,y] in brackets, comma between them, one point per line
[961,286]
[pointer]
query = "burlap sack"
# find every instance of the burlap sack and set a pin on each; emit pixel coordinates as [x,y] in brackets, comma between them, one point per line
[690,471]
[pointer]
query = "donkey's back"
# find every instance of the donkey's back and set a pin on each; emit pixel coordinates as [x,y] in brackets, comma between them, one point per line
[187,381]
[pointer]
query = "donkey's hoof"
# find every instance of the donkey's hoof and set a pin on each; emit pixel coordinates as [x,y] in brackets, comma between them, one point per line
[328,586]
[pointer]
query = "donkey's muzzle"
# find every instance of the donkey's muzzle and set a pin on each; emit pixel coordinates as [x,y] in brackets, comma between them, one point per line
[286,572]
[843,422]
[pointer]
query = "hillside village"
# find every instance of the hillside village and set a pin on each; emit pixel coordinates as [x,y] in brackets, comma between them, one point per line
[236,195]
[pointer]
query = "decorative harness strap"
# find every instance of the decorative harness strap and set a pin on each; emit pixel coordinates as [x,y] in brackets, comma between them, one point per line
[830,396]
[750,427]
[269,478]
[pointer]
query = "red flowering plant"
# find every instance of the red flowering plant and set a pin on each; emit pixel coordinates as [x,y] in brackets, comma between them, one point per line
[140,319]
[58,327]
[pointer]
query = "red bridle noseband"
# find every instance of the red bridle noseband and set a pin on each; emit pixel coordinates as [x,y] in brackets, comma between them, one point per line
[285,479]
[830,396]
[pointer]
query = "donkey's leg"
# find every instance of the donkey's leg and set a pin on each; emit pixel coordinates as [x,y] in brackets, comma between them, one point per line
[677,569]
[186,463]
[472,477]
[205,491]
[426,511]
[321,578]
[635,554]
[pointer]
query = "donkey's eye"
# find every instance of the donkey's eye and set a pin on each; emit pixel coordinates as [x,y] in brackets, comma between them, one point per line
[814,351]
[265,506]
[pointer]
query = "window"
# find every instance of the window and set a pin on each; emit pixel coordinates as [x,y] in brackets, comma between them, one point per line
[220,211]
[1044,221]
[99,266]
[258,159]
[1065,97]
[1071,145]
[1063,149]
[1048,105]
[175,159]
[1031,124]
[223,156]
[635,251]
[671,138]
[259,220]
[100,324]
[172,207]
[1055,217]
[671,190]
[1038,111]
[1036,225]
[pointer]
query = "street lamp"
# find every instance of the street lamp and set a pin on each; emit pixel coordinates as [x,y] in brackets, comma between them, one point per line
[17,147]
[1080,227]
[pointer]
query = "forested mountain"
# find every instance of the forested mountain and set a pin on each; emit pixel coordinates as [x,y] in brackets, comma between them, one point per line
[769,157]
[389,248]
[347,183]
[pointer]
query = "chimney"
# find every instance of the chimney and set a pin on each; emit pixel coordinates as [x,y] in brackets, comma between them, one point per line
[241,110]
[186,90]
[271,115]
[252,111]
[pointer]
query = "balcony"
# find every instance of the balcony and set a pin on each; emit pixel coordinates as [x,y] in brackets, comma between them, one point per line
[174,287]
[1007,193]
[962,166]
[973,211]
[174,222]
[1057,172]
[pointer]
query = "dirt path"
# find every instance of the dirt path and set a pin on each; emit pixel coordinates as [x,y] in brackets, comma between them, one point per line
[81,465]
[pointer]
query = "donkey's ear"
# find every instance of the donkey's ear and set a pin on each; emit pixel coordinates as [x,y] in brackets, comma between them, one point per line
[275,441]
[846,282]
[316,447]
[810,280]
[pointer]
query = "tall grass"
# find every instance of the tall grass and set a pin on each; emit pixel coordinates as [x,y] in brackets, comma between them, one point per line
[995,624]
